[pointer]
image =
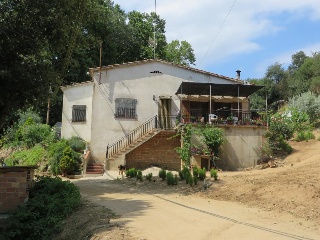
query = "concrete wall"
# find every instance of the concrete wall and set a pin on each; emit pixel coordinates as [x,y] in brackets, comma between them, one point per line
[14,186]
[239,149]
[79,94]
[136,82]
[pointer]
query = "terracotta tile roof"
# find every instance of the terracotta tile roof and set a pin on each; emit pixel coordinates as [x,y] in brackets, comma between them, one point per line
[75,84]
[164,62]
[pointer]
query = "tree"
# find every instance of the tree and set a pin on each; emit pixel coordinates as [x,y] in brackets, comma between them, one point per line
[180,53]
[297,60]
[142,27]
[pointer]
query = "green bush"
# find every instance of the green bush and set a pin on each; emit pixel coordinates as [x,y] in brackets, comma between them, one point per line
[36,133]
[132,173]
[214,174]
[149,176]
[77,144]
[202,174]
[68,162]
[185,172]
[27,157]
[55,155]
[190,180]
[51,200]
[195,180]
[175,179]
[162,174]
[170,178]
[181,175]
[139,175]
[195,172]
[304,136]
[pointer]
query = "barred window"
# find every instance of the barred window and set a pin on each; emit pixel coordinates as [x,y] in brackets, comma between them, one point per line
[125,108]
[79,113]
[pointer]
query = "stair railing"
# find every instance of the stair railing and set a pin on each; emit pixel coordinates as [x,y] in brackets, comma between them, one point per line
[131,137]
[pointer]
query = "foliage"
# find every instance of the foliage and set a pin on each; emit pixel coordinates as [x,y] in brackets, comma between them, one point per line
[202,174]
[202,150]
[170,178]
[149,176]
[28,132]
[308,103]
[184,151]
[214,174]
[51,200]
[27,157]
[265,151]
[55,154]
[213,138]
[195,180]
[132,173]
[180,53]
[139,175]
[281,126]
[77,143]
[162,174]
[304,136]
[195,172]
[68,162]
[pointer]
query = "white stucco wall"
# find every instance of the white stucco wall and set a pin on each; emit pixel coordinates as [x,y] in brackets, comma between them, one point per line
[135,82]
[79,94]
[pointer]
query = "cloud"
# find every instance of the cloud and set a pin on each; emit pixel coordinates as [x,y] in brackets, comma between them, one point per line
[225,29]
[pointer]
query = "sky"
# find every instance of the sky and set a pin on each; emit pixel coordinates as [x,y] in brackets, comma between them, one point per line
[246,35]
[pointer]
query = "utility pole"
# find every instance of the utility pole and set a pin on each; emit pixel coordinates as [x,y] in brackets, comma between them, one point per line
[100,62]
[48,108]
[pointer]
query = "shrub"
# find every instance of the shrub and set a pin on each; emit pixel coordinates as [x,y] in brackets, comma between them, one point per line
[77,144]
[175,179]
[132,173]
[33,156]
[55,155]
[190,180]
[149,176]
[170,178]
[304,136]
[213,138]
[195,180]
[162,174]
[265,151]
[68,162]
[202,174]
[51,200]
[187,176]
[139,175]
[195,172]
[185,171]
[214,174]
[283,145]
[182,176]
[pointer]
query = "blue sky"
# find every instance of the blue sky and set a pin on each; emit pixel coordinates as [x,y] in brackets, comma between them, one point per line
[248,35]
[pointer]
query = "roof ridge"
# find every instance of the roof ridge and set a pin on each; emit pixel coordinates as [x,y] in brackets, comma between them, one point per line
[112,66]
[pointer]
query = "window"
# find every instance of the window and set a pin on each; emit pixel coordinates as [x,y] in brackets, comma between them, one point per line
[79,113]
[125,108]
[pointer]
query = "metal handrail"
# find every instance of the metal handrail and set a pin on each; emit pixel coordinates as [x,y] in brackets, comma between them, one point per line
[131,137]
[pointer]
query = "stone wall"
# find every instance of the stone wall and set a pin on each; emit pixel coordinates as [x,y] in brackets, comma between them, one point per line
[14,186]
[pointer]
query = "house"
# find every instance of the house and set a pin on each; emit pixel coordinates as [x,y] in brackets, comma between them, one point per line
[128,111]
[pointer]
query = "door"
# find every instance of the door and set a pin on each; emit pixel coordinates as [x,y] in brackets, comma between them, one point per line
[164,113]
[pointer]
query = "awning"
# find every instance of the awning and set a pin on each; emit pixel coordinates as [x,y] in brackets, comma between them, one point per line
[232,90]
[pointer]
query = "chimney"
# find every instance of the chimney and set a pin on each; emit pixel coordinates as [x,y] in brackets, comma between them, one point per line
[238,74]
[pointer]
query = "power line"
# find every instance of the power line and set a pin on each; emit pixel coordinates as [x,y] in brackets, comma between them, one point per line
[216,36]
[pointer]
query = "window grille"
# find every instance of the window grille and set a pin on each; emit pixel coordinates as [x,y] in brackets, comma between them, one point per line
[79,113]
[125,108]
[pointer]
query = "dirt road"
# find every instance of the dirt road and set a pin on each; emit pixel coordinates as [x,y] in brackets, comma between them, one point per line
[273,203]
[168,215]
